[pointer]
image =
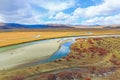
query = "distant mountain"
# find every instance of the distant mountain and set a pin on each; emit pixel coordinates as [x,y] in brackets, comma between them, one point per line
[113,27]
[38,26]
[88,26]
[54,26]
[98,26]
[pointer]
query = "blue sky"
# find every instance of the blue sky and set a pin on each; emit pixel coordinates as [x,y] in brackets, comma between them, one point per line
[75,12]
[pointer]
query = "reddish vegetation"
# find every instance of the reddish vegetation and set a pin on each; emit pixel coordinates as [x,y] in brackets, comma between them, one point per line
[80,39]
[78,50]
[92,48]
[18,77]
[55,61]
[84,51]
[100,51]
[65,75]
[79,74]
[114,60]
[114,56]
[97,38]
[67,58]
[88,79]
[47,77]
[90,41]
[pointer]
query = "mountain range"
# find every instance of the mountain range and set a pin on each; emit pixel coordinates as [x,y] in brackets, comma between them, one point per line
[35,26]
[53,26]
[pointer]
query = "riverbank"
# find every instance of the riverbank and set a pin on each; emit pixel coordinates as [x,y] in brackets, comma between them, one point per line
[27,54]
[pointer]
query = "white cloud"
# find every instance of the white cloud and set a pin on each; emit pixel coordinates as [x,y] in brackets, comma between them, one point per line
[1,19]
[61,15]
[55,22]
[18,11]
[78,12]
[54,5]
[12,6]
[103,20]
[21,11]
[64,18]
[106,8]
[31,20]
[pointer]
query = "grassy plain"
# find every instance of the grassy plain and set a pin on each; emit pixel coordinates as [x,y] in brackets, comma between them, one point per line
[17,36]
[112,58]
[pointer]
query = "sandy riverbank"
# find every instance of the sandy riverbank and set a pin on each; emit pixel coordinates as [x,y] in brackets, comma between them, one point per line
[27,54]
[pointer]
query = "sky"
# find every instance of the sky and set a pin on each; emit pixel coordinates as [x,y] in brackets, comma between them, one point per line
[74,12]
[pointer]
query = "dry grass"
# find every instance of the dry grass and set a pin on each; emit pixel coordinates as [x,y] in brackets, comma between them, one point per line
[15,37]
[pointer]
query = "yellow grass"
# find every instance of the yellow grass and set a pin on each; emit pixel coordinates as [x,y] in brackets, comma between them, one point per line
[15,37]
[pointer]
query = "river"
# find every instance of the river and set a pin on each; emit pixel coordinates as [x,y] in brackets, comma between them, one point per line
[37,52]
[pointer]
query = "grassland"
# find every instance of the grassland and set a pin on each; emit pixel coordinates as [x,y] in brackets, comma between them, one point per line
[98,55]
[17,36]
